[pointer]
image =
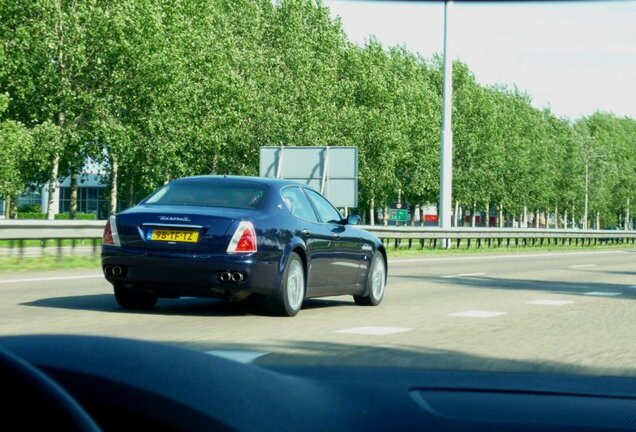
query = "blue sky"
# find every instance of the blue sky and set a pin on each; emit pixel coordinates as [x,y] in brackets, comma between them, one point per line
[575,57]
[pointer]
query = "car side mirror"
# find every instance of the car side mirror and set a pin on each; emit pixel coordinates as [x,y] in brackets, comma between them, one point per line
[353,219]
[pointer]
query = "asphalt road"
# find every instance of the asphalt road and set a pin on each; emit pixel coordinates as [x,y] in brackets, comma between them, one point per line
[571,312]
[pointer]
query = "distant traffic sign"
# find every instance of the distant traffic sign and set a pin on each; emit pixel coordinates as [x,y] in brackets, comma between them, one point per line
[398,215]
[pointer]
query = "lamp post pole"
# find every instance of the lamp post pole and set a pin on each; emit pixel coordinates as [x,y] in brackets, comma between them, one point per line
[586,195]
[446,150]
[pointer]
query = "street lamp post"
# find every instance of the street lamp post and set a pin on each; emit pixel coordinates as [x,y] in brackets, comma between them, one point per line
[446,150]
[586,195]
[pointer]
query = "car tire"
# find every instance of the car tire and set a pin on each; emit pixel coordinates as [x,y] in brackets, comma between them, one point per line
[289,300]
[131,299]
[376,283]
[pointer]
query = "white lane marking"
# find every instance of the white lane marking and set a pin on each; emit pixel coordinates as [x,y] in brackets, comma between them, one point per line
[478,314]
[603,293]
[550,302]
[496,257]
[463,275]
[237,356]
[582,266]
[370,330]
[47,279]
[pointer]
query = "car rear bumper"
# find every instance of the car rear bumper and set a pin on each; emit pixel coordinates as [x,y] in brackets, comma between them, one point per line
[174,274]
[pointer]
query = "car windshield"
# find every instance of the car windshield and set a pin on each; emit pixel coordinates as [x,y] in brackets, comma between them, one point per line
[230,194]
[487,149]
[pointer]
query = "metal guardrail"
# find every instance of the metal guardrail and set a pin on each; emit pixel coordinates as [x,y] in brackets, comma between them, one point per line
[18,231]
[47,230]
[520,236]
[21,230]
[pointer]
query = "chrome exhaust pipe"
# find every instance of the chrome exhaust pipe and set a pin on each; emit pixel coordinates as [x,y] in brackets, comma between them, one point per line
[237,277]
[225,276]
[117,271]
[108,270]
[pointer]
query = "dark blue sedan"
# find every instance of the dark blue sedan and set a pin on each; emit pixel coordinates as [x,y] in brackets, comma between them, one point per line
[237,237]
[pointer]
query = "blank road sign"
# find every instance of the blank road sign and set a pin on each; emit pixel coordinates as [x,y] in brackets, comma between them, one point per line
[333,171]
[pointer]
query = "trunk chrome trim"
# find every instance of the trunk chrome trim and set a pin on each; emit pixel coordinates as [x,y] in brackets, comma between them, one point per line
[152,224]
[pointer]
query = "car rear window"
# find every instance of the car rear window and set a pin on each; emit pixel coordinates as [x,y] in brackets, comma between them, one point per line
[240,195]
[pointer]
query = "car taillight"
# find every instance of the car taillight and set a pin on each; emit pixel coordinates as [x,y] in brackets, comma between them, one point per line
[244,239]
[110,236]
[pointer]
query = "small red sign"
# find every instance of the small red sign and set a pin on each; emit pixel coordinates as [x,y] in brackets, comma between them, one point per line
[430,218]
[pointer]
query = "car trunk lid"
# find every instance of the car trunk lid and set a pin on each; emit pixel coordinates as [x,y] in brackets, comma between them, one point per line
[188,228]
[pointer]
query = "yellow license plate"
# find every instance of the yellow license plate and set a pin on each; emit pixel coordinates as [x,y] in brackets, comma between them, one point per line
[175,236]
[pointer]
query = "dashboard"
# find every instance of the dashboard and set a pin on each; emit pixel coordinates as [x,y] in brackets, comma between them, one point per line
[121,383]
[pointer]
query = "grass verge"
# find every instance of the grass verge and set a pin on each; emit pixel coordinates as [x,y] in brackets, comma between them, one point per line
[14,264]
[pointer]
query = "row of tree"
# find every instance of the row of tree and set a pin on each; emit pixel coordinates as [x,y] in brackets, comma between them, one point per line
[154,90]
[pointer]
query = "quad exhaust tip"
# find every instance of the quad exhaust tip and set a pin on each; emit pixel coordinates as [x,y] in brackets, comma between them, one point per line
[235,277]
[114,270]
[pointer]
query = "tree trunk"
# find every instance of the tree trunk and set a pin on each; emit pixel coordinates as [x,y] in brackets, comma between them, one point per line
[573,221]
[73,205]
[501,221]
[627,215]
[386,215]
[50,214]
[556,217]
[525,216]
[487,218]
[472,215]
[131,192]
[565,219]
[372,212]
[113,186]
[598,220]
[456,213]
[7,207]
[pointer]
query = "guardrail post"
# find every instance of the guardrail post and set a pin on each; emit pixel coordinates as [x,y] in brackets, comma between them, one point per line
[59,250]
[94,247]
[20,249]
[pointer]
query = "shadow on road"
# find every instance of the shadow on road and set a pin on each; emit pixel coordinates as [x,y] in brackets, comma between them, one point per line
[177,307]
[555,287]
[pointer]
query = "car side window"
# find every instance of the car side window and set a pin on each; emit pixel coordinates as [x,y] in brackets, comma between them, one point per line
[298,205]
[326,211]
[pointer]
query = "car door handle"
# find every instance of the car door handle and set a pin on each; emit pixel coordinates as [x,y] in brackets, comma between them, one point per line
[305,232]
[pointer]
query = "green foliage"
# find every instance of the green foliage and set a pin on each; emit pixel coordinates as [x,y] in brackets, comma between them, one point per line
[31,215]
[79,216]
[162,90]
